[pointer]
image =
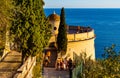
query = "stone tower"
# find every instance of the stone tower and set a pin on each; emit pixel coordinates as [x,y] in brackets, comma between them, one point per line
[54,20]
[80,38]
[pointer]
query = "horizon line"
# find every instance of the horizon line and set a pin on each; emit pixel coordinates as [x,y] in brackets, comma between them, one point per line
[84,7]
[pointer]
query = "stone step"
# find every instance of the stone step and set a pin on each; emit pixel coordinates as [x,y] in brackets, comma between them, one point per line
[53,57]
[9,64]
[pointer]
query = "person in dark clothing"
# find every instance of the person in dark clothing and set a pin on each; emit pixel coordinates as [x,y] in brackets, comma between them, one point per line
[70,67]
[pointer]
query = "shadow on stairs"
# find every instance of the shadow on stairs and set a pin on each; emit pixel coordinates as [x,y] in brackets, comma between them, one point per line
[52,53]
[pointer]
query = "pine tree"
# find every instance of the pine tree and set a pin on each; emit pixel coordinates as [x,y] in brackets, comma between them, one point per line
[30,27]
[62,34]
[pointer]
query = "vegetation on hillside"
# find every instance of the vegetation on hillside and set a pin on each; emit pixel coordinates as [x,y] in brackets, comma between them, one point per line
[108,67]
[38,68]
[6,7]
[62,34]
[30,28]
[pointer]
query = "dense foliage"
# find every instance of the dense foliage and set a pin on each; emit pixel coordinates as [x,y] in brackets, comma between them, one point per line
[6,7]
[108,67]
[30,27]
[62,33]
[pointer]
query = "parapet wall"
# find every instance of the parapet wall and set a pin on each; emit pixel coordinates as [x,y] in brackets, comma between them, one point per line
[25,71]
[81,42]
[81,36]
[76,36]
[77,47]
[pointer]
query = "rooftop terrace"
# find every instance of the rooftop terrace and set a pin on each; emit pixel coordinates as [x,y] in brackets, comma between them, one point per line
[78,29]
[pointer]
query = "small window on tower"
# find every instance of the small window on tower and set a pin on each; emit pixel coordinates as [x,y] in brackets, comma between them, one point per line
[55,28]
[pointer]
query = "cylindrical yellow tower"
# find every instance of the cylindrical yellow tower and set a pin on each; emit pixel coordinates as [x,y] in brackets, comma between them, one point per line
[54,20]
[80,39]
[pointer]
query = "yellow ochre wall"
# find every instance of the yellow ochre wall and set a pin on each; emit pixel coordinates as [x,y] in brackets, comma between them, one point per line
[55,24]
[81,36]
[80,43]
[78,47]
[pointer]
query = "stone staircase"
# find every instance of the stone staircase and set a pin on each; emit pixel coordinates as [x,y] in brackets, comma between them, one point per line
[53,57]
[10,64]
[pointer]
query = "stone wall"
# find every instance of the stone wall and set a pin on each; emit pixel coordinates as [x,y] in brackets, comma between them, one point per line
[79,43]
[55,24]
[77,47]
[52,39]
[25,71]
[7,46]
[80,36]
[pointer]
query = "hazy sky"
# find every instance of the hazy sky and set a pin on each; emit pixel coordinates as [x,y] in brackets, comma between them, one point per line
[82,3]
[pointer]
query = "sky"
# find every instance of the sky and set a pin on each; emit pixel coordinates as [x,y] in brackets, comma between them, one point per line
[82,3]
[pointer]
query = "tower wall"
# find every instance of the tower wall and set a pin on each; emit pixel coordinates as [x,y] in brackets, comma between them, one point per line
[55,24]
[81,43]
[78,42]
[81,36]
[86,46]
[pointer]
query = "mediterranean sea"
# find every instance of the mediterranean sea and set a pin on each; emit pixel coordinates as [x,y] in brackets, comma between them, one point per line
[105,22]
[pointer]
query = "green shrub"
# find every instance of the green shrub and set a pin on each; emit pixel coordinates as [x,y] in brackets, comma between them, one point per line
[37,70]
[107,67]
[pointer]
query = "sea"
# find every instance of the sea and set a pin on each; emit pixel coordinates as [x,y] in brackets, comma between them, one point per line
[104,21]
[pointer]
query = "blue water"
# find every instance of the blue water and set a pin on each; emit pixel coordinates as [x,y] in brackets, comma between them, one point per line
[105,22]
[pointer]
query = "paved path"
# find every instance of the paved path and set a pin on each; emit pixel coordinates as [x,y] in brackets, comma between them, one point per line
[52,73]
[10,64]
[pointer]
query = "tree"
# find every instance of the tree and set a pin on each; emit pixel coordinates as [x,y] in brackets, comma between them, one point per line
[6,7]
[30,29]
[62,34]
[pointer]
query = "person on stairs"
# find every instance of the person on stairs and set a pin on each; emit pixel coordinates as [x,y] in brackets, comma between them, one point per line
[46,60]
